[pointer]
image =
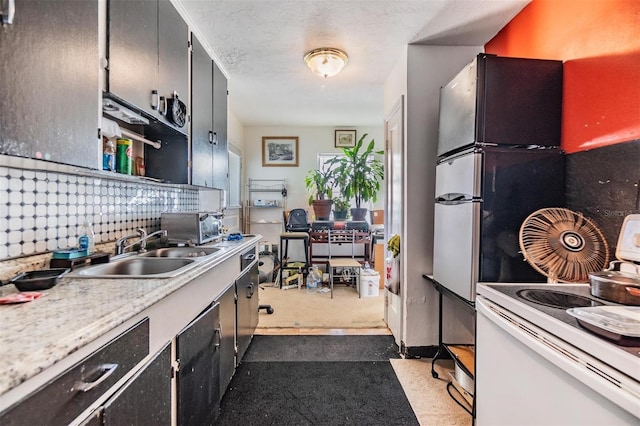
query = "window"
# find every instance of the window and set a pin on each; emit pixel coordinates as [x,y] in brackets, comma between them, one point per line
[235,177]
[324,157]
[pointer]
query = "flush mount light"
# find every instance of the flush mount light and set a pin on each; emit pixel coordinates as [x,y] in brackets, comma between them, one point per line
[326,61]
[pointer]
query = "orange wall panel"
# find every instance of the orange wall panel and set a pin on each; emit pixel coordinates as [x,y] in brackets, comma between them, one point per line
[599,41]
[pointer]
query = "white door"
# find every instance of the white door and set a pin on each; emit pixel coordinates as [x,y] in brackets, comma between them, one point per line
[394,224]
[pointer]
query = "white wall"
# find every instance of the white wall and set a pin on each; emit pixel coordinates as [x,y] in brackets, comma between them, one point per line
[427,69]
[235,138]
[311,141]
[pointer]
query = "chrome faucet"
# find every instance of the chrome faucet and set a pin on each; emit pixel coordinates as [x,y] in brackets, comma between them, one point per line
[120,243]
[143,239]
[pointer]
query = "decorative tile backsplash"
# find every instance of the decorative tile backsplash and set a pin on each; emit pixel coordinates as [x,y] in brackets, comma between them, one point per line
[41,210]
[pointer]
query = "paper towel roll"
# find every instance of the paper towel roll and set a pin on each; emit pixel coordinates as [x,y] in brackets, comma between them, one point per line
[110,128]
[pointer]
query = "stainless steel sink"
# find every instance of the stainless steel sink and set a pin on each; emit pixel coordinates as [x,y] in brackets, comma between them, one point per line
[181,252]
[137,267]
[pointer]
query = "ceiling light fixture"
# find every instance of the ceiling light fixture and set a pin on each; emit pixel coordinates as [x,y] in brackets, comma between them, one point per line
[326,61]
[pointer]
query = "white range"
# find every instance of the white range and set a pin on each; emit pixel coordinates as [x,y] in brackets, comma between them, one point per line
[535,364]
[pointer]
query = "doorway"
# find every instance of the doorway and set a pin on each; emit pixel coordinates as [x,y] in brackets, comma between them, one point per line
[394,220]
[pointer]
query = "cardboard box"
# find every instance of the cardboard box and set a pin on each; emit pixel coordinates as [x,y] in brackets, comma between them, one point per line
[378,264]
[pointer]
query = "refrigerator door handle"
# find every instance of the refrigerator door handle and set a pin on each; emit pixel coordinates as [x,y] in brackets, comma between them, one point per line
[454,198]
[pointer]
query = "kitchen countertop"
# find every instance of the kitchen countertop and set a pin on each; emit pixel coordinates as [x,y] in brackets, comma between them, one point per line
[37,334]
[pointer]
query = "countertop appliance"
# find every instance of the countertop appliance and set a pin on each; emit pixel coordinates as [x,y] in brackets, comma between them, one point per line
[503,101]
[193,227]
[621,282]
[483,195]
[536,365]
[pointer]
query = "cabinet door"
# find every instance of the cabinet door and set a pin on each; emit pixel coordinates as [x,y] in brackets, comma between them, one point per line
[145,399]
[198,377]
[49,81]
[71,393]
[133,51]
[220,154]
[201,115]
[247,290]
[173,45]
[227,338]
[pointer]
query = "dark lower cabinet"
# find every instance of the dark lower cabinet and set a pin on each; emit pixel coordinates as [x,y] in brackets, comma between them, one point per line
[66,397]
[247,307]
[145,399]
[198,375]
[227,339]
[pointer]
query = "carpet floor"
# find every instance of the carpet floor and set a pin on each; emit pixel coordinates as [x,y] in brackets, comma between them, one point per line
[317,380]
[321,348]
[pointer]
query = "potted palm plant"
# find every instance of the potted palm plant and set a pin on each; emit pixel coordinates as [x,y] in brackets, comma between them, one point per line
[320,185]
[360,174]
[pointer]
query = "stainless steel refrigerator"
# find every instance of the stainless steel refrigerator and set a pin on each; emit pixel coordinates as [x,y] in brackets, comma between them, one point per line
[499,161]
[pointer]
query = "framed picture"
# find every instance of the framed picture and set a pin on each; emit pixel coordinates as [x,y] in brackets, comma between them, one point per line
[345,138]
[280,151]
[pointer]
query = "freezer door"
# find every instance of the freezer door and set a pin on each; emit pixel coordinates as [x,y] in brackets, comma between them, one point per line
[458,111]
[456,247]
[459,175]
[457,223]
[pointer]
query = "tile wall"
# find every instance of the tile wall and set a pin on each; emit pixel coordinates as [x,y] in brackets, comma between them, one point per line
[41,210]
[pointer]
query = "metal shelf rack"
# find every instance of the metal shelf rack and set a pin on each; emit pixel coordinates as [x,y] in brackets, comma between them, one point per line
[265,203]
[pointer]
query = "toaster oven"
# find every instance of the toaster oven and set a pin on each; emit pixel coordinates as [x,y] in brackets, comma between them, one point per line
[196,227]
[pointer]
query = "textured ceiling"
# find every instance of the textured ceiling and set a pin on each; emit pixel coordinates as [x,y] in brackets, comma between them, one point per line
[260,44]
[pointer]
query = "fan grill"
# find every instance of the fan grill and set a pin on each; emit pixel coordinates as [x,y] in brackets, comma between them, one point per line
[563,245]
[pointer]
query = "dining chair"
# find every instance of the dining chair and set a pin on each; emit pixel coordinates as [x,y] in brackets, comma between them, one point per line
[347,263]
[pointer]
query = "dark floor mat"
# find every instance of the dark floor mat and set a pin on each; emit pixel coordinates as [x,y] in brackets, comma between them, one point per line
[316,393]
[321,348]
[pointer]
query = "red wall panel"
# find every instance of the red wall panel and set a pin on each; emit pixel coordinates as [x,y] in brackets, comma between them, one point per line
[599,41]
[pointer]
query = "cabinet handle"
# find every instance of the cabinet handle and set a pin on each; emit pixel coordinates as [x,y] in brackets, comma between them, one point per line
[250,291]
[215,138]
[8,11]
[218,332]
[154,100]
[210,136]
[164,105]
[103,371]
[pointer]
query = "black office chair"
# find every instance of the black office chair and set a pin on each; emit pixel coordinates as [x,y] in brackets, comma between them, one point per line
[296,225]
[267,266]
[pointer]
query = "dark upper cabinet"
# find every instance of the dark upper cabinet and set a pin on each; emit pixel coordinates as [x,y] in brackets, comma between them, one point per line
[201,115]
[50,82]
[148,54]
[210,161]
[173,59]
[220,153]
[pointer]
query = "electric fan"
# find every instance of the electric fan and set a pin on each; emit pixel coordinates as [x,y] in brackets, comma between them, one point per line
[563,245]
